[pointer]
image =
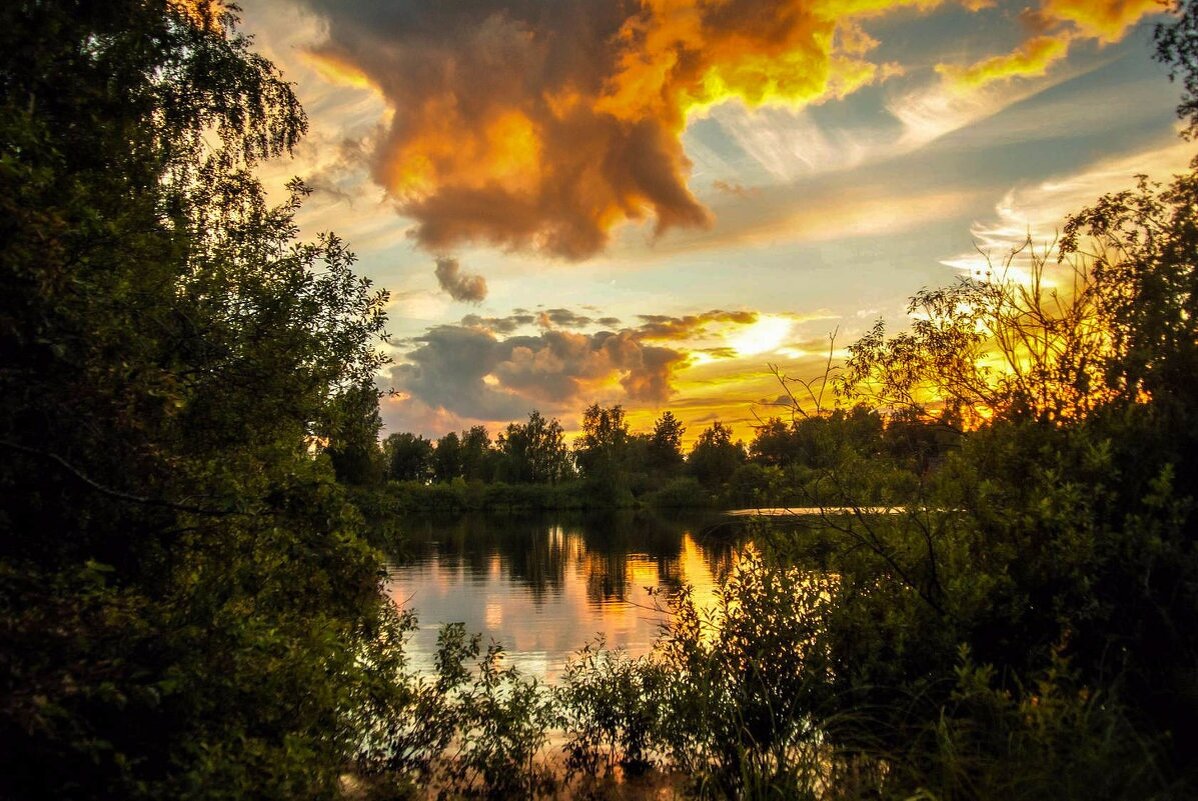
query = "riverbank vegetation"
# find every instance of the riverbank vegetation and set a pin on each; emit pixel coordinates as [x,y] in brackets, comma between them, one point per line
[191,607]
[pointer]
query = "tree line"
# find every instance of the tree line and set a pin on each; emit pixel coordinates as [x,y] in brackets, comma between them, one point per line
[619,467]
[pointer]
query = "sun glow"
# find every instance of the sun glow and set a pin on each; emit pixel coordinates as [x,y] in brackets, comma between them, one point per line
[767,334]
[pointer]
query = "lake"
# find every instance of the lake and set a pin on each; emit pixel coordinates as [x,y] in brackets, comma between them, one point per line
[545,585]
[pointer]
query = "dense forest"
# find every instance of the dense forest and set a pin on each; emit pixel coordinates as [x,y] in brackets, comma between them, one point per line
[190,598]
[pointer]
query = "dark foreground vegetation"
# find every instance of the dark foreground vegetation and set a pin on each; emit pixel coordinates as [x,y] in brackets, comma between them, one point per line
[189,602]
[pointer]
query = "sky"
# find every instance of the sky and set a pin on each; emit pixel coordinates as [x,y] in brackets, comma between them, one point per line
[667,203]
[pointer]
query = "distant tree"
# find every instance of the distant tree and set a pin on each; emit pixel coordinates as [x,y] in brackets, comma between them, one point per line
[475,454]
[916,440]
[534,452]
[665,444]
[715,456]
[601,453]
[773,444]
[409,457]
[601,448]
[447,458]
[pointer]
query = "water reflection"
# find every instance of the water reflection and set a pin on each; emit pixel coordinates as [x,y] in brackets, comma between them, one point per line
[545,585]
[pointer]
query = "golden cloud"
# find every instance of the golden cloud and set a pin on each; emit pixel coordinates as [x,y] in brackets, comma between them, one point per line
[540,126]
[1056,25]
[1104,20]
[1033,58]
[336,70]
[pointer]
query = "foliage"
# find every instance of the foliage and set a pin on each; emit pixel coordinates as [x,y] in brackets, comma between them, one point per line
[1051,736]
[185,601]
[684,492]
[534,452]
[665,444]
[475,449]
[409,457]
[602,453]
[352,437]
[1177,46]
[611,712]
[715,457]
[447,458]
[999,346]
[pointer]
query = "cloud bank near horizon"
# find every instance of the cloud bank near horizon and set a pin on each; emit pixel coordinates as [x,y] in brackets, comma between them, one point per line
[495,369]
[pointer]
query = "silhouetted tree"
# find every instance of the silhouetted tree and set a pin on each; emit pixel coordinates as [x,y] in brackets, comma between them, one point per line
[534,452]
[409,457]
[447,458]
[601,453]
[773,444]
[715,457]
[600,449]
[665,444]
[476,454]
[352,437]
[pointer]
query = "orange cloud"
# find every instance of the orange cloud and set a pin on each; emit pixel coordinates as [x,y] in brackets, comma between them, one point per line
[1057,23]
[1104,20]
[337,70]
[540,126]
[1033,58]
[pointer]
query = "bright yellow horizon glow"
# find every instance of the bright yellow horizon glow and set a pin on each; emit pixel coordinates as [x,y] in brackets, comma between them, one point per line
[767,334]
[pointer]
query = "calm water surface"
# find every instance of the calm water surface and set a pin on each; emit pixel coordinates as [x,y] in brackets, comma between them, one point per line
[543,586]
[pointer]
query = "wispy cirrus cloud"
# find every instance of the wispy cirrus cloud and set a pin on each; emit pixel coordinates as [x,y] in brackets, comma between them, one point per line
[1035,212]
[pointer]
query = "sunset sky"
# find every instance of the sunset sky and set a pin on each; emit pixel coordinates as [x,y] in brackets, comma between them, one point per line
[650,202]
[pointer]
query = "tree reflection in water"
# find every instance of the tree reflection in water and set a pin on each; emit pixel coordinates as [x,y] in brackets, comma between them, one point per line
[544,585]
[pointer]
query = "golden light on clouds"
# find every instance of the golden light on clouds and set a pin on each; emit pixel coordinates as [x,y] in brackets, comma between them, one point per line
[336,70]
[531,128]
[1033,58]
[1105,20]
[766,335]
[1058,25]
[547,125]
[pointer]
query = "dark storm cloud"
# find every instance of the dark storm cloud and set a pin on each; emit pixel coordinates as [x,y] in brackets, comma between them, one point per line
[472,373]
[459,285]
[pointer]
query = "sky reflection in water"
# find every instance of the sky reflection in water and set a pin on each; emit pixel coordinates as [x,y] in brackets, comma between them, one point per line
[544,586]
